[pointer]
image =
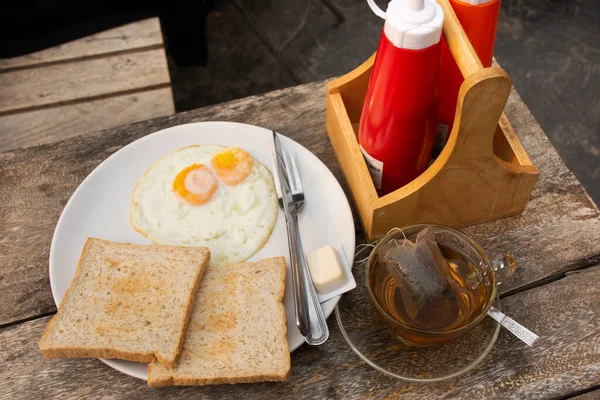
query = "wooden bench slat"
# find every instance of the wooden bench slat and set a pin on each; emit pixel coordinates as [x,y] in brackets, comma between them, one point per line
[132,36]
[564,360]
[49,124]
[81,80]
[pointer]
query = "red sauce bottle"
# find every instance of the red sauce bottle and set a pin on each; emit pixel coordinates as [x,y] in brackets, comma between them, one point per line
[479,19]
[398,122]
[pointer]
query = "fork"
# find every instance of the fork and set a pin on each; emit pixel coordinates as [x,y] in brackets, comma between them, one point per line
[317,331]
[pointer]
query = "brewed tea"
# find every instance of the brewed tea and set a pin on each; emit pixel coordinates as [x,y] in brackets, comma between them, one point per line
[426,298]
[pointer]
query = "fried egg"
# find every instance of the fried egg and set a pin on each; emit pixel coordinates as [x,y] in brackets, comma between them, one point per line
[207,195]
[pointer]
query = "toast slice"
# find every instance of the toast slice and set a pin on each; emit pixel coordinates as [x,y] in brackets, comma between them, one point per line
[238,329]
[127,301]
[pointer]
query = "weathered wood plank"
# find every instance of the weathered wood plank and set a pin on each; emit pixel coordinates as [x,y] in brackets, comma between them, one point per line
[560,224]
[566,356]
[50,124]
[566,359]
[594,395]
[132,36]
[37,87]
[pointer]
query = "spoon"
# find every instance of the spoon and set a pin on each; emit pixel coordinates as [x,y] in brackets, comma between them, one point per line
[505,266]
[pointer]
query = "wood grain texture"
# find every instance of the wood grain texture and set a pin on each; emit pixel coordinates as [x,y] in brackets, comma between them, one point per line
[132,36]
[86,79]
[467,184]
[559,226]
[54,123]
[517,153]
[564,360]
[347,153]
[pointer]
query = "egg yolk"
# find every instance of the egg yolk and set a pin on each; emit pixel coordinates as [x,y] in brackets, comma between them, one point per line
[232,165]
[195,184]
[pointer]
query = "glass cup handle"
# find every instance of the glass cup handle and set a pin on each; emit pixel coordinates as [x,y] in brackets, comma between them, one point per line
[505,266]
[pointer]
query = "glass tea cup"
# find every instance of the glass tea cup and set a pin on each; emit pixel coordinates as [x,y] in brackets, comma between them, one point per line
[385,295]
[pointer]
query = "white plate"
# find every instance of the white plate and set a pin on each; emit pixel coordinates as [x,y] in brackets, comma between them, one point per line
[100,207]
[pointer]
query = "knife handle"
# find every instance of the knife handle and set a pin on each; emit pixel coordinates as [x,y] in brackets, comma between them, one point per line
[298,280]
[318,332]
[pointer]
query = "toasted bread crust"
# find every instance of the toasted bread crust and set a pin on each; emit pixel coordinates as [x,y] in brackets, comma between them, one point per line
[56,350]
[46,351]
[175,381]
[172,378]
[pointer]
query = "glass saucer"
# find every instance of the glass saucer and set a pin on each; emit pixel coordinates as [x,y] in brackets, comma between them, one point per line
[376,345]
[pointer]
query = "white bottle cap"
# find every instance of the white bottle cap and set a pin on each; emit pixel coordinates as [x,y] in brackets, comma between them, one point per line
[414,24]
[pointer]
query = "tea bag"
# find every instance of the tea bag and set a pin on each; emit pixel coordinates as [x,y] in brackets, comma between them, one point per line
[419,270]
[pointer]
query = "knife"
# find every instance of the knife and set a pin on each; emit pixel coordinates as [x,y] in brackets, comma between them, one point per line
[298,282]
[309,315]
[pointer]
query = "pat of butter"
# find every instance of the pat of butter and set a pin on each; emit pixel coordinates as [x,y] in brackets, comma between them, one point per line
[326,269]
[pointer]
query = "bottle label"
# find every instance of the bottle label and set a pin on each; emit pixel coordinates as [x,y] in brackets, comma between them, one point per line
[441,137]
[375,168]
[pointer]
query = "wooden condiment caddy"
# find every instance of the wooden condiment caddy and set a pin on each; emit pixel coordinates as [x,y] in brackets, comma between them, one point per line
[482,174]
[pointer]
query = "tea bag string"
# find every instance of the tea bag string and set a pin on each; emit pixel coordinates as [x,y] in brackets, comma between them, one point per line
[359,249]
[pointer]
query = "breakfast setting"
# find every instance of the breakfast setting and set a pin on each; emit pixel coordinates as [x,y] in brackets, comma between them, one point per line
[188,305]
[404,230]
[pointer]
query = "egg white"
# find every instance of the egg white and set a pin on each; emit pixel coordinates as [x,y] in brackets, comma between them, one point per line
[234,224]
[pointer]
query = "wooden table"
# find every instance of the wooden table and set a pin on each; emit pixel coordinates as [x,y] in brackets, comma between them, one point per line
[555,292]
